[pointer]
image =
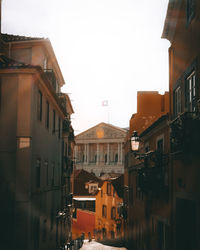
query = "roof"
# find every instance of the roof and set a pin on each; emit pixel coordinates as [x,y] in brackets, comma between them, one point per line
[80,178]
[16,38]
[101,124]
[118,185]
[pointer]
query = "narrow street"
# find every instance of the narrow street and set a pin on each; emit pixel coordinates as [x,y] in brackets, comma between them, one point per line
[93,245]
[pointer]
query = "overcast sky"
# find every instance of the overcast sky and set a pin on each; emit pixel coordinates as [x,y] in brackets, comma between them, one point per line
[106,49]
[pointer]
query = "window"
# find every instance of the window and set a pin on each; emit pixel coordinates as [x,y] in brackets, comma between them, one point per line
[108,188]
[106,158]
[113,213]
[104,211]
[190,92]
[54,122]
[95,158]
[45,63]
[38,169]
[47,114]
[47,173]
[53,174]
[177,101]
[146,146]
[59,127]
[101,193]
[116,158]
[190,10]
[44,235]
[160,145]
[39,106]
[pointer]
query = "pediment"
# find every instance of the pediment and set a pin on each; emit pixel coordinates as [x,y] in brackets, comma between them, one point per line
[102,131]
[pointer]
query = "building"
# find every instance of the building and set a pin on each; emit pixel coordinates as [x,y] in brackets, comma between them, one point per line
[85,187]
[182,30]
[109,215]
[32,145]
[100,149]
[152,107]
[150,199]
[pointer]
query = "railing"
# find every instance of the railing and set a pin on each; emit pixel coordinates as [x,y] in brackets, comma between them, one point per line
[66,125]
[152,173]
[69,164]
[185,133]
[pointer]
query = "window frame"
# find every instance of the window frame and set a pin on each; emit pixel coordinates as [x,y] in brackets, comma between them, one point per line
[104,211]
[108,189]
[177,101]
[47,115]
[190,91]
[158,139]
[113,213]
[54,122]
[38,174]
[39,105]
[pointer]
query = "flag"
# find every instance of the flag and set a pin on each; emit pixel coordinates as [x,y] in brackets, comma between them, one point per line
[105,103]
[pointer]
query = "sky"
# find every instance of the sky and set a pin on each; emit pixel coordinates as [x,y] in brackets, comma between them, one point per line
[107,51]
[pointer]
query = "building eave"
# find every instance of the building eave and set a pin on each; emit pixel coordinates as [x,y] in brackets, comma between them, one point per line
[171,19]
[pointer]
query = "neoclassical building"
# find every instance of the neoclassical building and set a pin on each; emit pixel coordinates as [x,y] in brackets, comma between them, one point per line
[100,149]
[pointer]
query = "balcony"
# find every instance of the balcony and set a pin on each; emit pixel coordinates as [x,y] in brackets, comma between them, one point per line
[51,76]
[68,165]
[153,176]
[185,133]
[66,125]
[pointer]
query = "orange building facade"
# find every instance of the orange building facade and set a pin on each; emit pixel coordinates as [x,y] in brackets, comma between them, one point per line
[109,219]
[151,108]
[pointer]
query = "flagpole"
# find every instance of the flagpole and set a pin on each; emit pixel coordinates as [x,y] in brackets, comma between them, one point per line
[105,104]
[108,116]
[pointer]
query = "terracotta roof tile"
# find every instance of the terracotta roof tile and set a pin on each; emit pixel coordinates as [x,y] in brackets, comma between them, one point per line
[118,184]
[14,38]
[80,178]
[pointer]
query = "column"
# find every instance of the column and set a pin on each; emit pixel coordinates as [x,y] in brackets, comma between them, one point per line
[119,154]
[87,153]
[108,153]
[121,159]
[98,155]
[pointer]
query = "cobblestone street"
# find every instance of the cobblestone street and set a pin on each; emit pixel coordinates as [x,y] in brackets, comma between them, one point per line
[93,245]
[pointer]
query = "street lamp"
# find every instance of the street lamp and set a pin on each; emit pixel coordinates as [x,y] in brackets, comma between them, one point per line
[135,142]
